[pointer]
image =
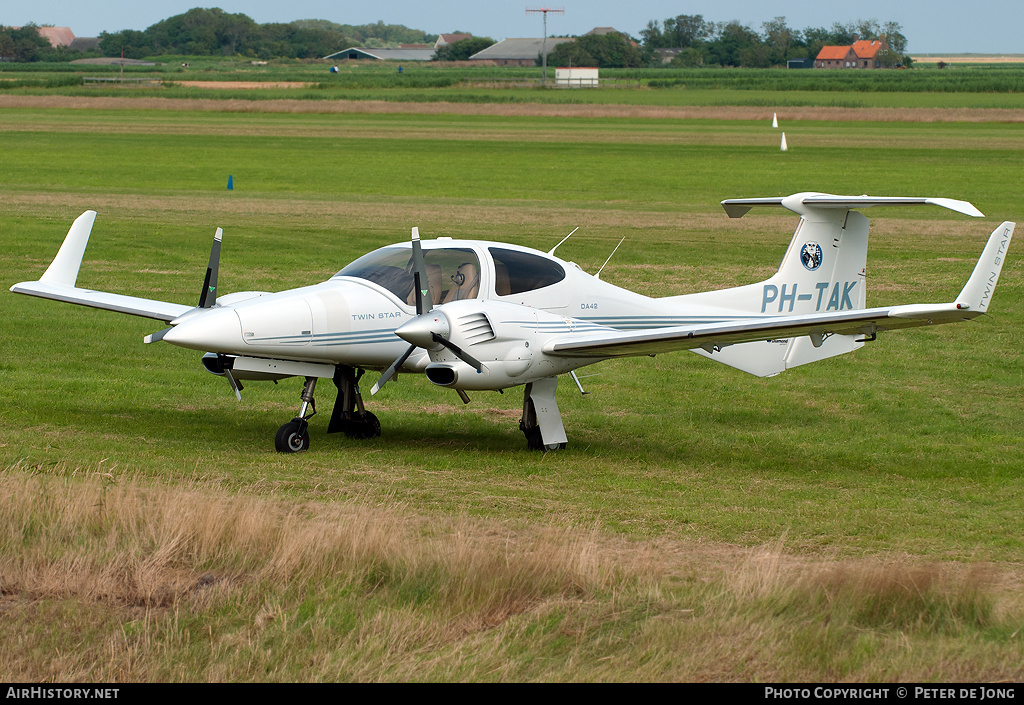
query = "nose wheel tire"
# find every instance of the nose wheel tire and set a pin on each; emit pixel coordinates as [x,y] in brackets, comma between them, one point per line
[293,437]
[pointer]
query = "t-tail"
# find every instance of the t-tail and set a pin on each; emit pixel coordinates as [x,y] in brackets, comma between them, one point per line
[823,270]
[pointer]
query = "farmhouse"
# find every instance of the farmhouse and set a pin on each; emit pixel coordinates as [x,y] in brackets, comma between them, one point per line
[862,54]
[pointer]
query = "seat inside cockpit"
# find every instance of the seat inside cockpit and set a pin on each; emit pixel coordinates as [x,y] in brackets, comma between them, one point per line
[453,273]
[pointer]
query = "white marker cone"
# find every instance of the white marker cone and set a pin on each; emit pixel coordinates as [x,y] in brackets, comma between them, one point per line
[775,120]
[783,146]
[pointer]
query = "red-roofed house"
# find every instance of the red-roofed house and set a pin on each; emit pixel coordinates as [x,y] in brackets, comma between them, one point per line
[862,54]
[833,57]
[867,53]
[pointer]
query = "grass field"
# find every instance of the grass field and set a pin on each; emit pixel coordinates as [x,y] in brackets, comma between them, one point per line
[854,520]
[964,86]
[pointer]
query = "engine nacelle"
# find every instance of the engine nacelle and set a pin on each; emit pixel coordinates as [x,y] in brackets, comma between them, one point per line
[220,364]
[508,340]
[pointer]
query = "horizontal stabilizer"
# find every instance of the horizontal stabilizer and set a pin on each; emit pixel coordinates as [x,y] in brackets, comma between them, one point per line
[802,203]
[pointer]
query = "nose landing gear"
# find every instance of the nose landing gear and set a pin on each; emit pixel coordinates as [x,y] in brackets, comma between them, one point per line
[294,435]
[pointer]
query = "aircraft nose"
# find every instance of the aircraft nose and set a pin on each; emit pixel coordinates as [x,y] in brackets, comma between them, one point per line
[215,330]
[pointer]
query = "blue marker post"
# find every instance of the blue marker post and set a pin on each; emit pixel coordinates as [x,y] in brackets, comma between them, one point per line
[230,186]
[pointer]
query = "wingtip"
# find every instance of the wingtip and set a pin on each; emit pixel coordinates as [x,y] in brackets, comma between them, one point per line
[977,293]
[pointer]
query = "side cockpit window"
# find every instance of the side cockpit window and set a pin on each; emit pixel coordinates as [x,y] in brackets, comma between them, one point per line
[453,273]
[517,272]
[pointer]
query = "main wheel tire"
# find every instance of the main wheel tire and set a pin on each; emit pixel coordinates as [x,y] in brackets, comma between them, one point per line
[533,438]
[293,437]
[363,427]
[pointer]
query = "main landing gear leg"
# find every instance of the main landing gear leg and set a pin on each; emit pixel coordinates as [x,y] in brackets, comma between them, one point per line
[541,422]
[294,435]
[349,415]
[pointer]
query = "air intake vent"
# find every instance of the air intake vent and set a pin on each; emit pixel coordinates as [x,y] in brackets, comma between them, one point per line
[476,328]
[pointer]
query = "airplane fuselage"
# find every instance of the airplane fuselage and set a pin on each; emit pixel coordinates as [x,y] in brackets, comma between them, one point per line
[351,318]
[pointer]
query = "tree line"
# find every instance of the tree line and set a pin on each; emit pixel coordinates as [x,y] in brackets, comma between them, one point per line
[694,41]
[734,44]
[213,32]
[25,44]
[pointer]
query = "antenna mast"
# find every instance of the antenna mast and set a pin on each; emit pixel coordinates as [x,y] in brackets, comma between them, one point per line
[544,46]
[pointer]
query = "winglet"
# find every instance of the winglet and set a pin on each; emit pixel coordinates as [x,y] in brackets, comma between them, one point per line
[65,266]
[977,293]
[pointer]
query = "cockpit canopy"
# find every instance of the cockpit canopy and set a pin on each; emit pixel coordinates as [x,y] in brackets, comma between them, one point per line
[454,273]
[517,272]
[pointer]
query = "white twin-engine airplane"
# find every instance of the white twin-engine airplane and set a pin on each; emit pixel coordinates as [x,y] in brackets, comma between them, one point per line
[474,315]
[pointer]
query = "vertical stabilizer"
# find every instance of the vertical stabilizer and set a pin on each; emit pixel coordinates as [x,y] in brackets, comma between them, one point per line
[824,267]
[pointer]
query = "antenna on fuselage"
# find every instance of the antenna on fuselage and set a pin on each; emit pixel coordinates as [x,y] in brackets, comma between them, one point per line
[552,250]
[598,275]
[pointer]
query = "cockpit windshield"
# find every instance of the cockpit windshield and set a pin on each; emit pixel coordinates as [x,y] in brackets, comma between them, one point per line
[453,273]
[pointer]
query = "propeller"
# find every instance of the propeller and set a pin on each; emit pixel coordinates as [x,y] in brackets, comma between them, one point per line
[429,329]
[208,296]
[422,289]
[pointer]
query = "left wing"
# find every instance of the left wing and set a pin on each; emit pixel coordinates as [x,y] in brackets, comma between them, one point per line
[972,301]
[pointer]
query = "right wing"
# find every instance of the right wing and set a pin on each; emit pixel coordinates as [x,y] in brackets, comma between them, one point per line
[972,301]
[58,281]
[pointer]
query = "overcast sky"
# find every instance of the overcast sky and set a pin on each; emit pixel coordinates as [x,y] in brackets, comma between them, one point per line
[978,26]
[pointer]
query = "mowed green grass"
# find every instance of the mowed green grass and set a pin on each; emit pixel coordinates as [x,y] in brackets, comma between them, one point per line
[909,448]
[917,433]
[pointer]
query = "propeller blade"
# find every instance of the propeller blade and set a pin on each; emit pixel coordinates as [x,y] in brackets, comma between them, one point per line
[390,372]
[419,274]
[208,296]
[235,386]
[159,335]
[459,352]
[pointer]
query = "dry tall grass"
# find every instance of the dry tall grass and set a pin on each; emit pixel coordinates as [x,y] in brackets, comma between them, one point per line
[106,578]
[96,537]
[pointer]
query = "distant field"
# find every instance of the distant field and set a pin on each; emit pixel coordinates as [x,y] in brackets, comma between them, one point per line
[851,521]
[971,58]
[972,87]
